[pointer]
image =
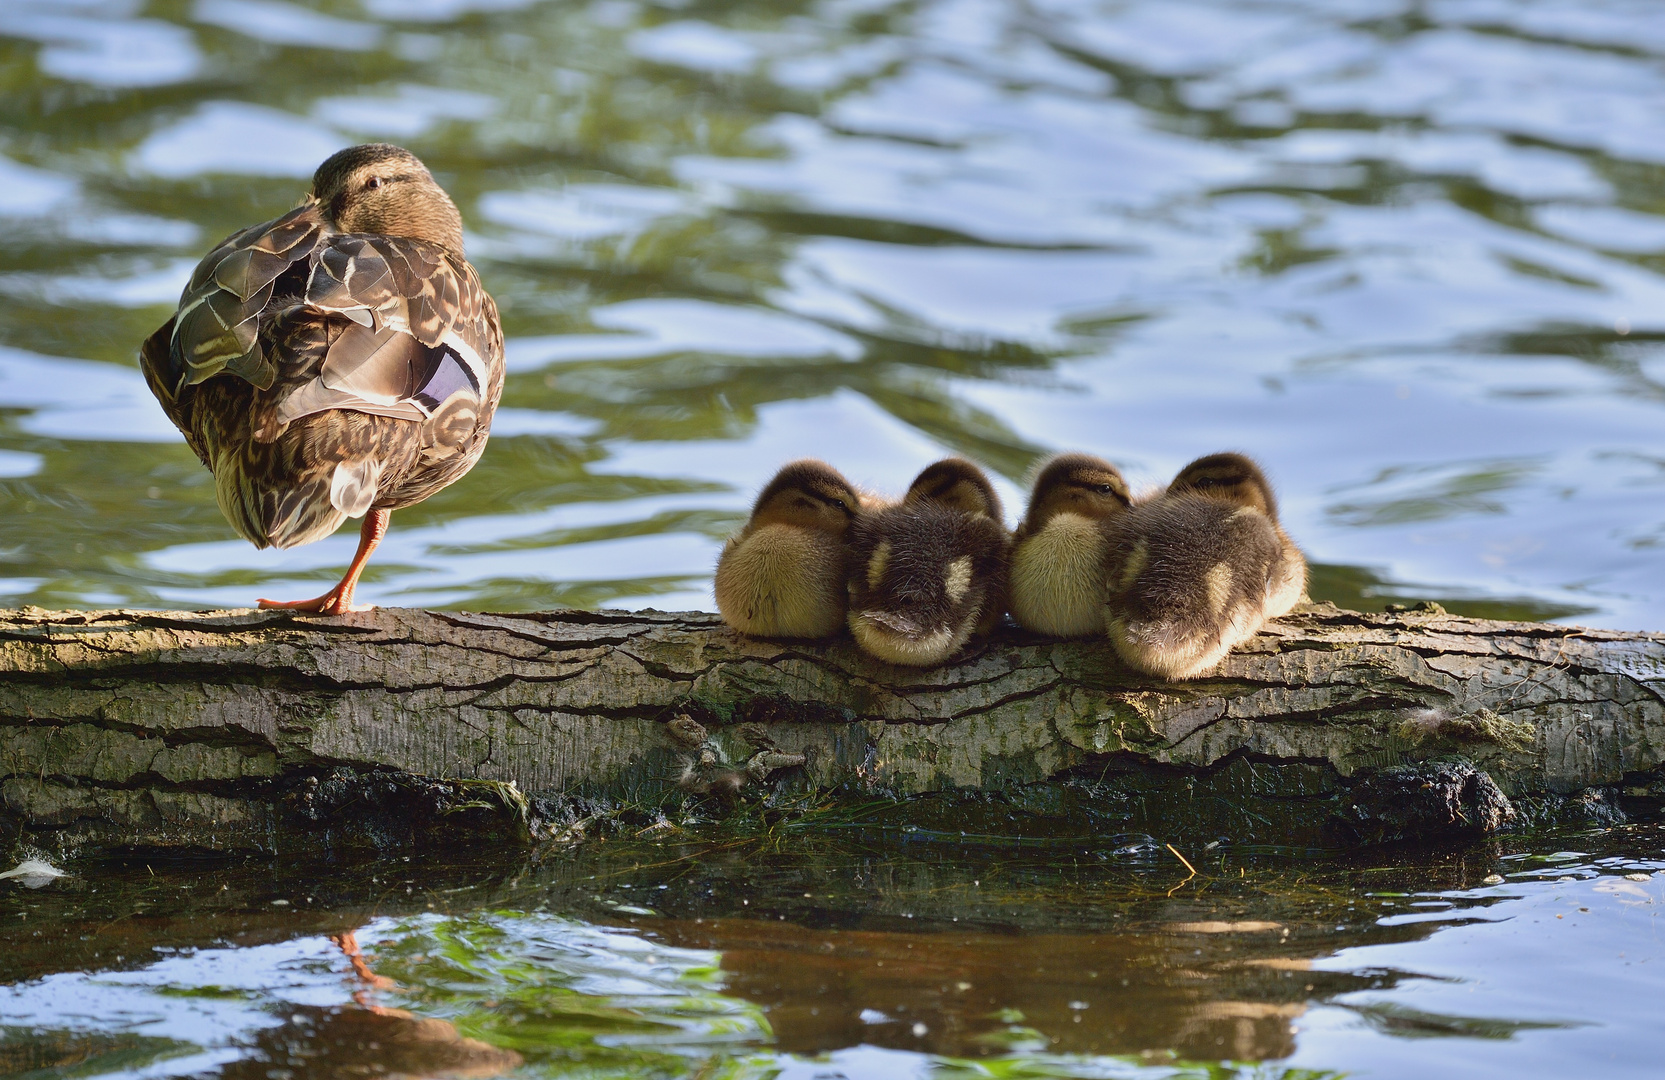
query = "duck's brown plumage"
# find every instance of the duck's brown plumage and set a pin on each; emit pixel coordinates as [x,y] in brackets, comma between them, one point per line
[322,373]
[1199,569]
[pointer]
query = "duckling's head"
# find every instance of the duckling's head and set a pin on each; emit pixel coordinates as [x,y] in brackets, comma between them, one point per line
[810,495]
[923,577]
[957,484]
[379,188]
[1230,478]
[1076,484]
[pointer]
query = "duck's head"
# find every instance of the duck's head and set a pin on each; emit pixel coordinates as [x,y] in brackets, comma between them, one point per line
[380,188]
[922,577]
[1076,484]
[958,485]
[1230,478]
[810,495]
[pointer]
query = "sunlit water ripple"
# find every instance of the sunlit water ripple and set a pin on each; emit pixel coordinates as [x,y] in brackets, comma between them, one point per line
[1407,254]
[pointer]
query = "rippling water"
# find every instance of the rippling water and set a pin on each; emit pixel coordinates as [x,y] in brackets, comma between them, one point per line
[857,960]
[1407,254]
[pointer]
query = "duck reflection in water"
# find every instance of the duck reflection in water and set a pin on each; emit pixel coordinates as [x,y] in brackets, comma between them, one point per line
[366,1039]
[1179,988]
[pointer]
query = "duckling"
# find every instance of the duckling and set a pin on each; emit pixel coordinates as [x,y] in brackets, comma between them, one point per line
[957,484]
[339,361]
[783,574]
[1199,569]
[1058,551]
[929,574]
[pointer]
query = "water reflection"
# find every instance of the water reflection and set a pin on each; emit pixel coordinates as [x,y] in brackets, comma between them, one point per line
[869,957]
[368,1040]
[973,994]
[1406,253]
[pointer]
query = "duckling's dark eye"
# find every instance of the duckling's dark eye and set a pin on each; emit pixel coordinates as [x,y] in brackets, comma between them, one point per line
[1105,489]
[841,504]
[373,183]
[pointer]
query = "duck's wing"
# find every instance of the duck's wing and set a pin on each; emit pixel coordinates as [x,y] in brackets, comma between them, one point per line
[217,327]
[425,344]
[163,374]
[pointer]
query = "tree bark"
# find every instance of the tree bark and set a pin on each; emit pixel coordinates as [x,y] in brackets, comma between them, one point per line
[239,730]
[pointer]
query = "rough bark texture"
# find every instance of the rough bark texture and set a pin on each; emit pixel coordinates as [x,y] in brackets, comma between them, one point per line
[261,730]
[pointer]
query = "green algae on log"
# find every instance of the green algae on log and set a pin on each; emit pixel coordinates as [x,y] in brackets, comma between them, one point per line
[250,730]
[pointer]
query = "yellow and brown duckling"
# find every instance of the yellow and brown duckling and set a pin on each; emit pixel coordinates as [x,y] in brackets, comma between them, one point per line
[929,574]
[782,575]
[1199,569]
[339,361]
[1058,552]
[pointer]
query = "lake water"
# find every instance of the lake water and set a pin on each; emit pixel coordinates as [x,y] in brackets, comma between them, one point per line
[1406,254]
[1409,255]
[812,959]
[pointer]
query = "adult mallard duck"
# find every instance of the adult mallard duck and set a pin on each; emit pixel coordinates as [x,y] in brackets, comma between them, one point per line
[783,574]
[929,574]
[1058,551]
[339,361]
[1199,569]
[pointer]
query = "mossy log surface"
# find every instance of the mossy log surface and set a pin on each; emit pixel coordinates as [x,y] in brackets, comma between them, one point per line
[240,730]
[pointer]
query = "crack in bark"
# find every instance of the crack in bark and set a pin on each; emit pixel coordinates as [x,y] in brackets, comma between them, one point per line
[988,707]
[558,695]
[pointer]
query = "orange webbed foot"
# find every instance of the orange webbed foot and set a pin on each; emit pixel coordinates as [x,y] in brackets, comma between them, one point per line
[339,600]
[331,603]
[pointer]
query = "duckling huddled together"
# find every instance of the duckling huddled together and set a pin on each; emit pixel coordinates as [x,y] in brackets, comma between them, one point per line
[1175,579]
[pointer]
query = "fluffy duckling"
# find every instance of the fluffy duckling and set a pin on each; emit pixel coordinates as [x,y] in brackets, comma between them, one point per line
[1199,569]
[929,574]
[956,484]
[339,361]
[1058,551]
[783,574]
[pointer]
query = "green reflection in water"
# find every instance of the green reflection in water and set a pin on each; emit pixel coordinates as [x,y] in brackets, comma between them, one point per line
[530,984]
[1360,589]
[867,954]
[35,1054]
[842,170]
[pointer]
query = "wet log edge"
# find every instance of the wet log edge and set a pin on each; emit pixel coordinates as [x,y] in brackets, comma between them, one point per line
[250,730]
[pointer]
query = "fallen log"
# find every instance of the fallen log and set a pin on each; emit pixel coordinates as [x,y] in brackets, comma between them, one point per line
[251,730]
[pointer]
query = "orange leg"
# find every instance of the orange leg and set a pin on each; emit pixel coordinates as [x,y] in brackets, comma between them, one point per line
[340,599]
[348,944]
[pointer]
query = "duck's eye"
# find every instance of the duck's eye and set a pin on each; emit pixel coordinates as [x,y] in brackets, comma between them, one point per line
[1106,489]
[373,183]
[841,504]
